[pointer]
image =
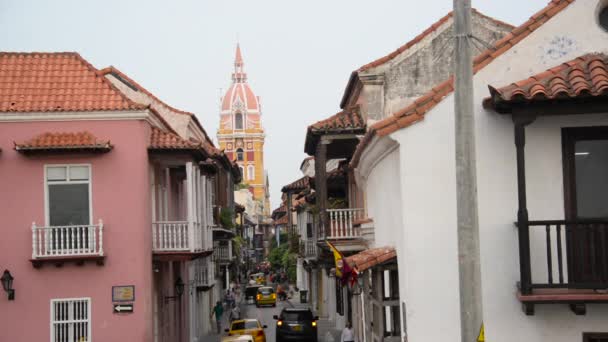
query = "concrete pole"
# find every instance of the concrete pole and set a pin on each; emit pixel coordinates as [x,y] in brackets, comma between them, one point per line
[471,316]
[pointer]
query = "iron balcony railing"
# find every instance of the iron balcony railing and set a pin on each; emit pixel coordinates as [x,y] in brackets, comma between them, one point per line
[341,223]
[55,241]
[178,236]
[566,254]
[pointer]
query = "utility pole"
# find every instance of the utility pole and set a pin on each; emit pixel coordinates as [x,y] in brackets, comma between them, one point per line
[466,180]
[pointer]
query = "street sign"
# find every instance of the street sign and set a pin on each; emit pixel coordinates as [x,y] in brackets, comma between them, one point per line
[123,293]
[123,308]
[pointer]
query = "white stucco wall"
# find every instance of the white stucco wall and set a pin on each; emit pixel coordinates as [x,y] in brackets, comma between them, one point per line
[427,248]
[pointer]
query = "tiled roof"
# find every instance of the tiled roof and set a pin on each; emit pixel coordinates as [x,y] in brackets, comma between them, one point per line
[56,82]
[346,120]
[416,111]
[162,140]
[297,185]
[111,70]
[280,210]
[64,141]
[584,76]
[371,257]
[282,220]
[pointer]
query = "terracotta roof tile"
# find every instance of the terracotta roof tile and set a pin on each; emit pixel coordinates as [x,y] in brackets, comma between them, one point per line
[393,123]
[349,119]
[162,140]
[297,185]
[64,141]
[56,82]
[283,220]
[371,257]
[111,70]
[584,76]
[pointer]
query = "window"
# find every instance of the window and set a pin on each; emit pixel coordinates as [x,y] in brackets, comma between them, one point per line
[239,154]
[71,320]
[68,195]
[250,172]
[603,17]
[309,230]
[238,121]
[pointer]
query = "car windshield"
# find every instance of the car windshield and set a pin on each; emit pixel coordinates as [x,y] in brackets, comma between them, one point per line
[296,316]
[244,325]
[266,290]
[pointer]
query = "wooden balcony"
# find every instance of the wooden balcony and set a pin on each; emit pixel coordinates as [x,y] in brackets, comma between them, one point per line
[571,265]
[59,244]
[341,223]
[177,240]
[222,254]
[204,277]
[308,248]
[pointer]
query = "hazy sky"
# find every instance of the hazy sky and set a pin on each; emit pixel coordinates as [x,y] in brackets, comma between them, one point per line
[298,54]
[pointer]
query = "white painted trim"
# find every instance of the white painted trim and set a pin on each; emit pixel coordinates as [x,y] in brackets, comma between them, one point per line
[46,191]
[241,135]
[378,149]
[145,115]
[89,316]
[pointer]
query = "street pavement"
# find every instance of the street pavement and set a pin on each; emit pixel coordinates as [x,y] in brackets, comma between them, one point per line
[264,314]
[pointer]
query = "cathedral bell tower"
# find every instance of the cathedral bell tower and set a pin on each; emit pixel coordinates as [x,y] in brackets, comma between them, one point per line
[240,132]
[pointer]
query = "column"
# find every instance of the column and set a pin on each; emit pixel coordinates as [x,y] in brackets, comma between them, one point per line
[190,205]
[321,186]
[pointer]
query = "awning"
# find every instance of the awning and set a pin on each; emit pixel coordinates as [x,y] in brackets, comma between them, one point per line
[371,257]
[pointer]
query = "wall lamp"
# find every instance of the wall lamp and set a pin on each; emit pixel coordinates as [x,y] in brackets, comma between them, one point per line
[179,290]
[7,284]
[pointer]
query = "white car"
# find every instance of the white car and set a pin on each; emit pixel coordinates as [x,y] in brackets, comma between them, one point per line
[239,338]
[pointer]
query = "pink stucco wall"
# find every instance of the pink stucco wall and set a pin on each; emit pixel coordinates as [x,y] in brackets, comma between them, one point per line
[120,196]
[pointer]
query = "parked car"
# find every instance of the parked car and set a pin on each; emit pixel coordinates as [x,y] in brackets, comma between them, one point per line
[238,338]
[266,296]
[296,325]
[248,326]
[250,293]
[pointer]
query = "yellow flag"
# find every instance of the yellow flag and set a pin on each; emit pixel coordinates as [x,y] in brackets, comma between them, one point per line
[482,335]
[337,258]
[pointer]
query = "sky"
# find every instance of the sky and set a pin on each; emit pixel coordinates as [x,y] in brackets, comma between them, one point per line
[298,54]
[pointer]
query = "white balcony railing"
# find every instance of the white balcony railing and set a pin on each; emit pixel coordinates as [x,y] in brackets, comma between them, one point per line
[62,241]
[221,253]
[309,248]
[203,272]
[175,236]
[341,223]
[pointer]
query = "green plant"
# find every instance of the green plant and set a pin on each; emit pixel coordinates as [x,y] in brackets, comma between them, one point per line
[336,203]
[226,218]
[241,186]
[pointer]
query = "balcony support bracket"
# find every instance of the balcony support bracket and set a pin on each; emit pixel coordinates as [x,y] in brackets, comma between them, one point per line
[579,309]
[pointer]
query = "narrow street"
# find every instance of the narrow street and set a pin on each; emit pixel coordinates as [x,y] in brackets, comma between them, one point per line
[263,314]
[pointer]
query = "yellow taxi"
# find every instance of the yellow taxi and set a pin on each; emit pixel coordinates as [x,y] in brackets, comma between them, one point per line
[240,338]
[266,296]
[248,326]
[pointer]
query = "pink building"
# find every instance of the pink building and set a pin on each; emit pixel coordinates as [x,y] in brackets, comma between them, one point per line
[107,196]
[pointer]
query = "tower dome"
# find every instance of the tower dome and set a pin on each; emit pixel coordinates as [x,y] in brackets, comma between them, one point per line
[239,97]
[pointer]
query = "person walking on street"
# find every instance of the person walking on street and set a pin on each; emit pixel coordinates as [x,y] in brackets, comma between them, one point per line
[218,310]
[235,313]
[347,333]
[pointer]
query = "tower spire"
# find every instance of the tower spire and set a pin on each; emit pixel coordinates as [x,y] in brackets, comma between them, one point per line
[239,75]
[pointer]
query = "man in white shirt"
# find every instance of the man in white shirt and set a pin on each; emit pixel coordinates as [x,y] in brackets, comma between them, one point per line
[347,334]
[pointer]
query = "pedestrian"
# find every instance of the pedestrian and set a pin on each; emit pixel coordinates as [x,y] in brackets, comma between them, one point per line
[347,333]
[235,313]
[218,310]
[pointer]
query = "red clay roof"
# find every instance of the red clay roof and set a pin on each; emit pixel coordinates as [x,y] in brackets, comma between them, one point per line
[584,76]
[282,220]
[416,111]
[162,140]
[371,257]
[64,141]
[348,119]
[56,82]
[297,185]
[111,70]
